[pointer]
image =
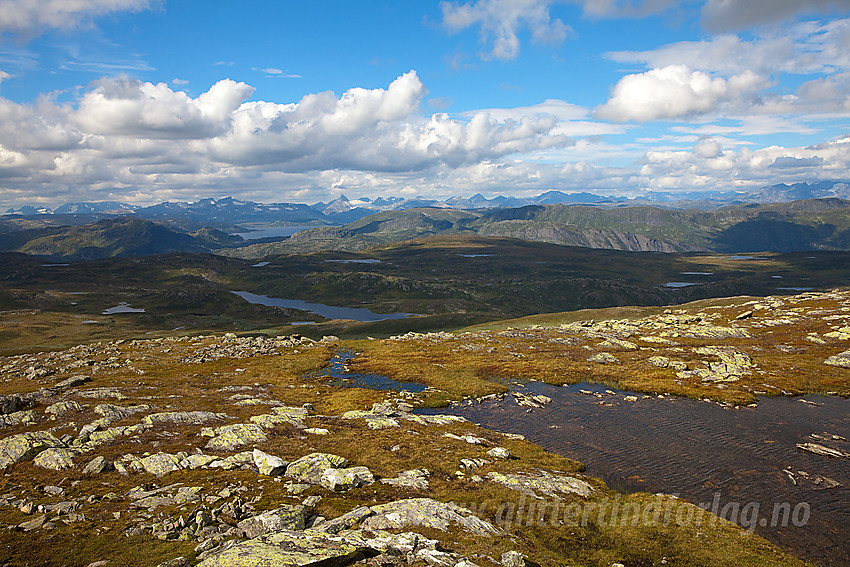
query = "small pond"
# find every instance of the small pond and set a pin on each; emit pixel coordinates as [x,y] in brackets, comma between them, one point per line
[698,450]
[345,379]
[122,308]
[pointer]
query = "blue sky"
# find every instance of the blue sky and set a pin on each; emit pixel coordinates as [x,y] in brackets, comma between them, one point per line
[150,100]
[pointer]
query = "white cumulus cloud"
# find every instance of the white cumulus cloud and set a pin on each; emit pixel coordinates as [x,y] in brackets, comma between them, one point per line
[675,92]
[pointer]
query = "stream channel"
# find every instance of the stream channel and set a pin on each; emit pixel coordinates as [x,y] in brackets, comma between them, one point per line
[697,450]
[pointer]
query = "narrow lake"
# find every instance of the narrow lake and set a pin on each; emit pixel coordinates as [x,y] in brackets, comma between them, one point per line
[326,311]
[699,450]
[272,232]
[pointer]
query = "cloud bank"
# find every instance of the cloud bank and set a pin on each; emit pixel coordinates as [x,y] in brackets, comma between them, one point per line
[123,132]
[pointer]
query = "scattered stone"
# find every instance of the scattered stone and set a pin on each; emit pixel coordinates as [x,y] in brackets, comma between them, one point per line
[513,559]
[269,465]
[604,358]
[416,478]
[311,467]
[317,431]
[471,439]
[841,359]
[13,403]
[17,418]
[197,461]
[500,453]
[340,480]
[184,417]
[25,446]
[97,465]
[288,549]
[284,518]
[535,401]
[822,450]
[34,524]
[345,522]
[229,437]
[112,413]
[102,393]
[161,464]
[373,420]
[56,459]
[61,408]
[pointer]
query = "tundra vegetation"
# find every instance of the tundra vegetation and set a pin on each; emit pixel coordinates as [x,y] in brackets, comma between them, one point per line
[208,429]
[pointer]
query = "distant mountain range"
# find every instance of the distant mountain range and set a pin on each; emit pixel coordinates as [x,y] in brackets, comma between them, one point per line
[85,231]
[780,227]
[228,213]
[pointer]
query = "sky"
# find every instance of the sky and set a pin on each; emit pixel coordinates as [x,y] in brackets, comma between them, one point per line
[144,101]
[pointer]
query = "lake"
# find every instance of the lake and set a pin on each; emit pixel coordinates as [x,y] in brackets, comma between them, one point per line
[326,311]
[272,232]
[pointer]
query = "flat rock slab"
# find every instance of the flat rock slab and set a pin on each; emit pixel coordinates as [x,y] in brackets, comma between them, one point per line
[184,417]
[288,549]
[426,512]
[551,485]
[228,437]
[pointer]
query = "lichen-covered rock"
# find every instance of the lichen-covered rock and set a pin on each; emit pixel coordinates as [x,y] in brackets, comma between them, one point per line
[161,464]
[234,461]
[24,417]
[551,485]
[344,522]
[612,342]
[374,420]
[603,358]
[416,478]
[282,416]
[197,461]
[310,467]
[499,453]
[55,459]
[841,359]
[288,549]
[97,465]
[284,518]
[184,417]
[25,446]
[112,413]
[340,480]
[426,512]
[513,559]
[12,403]
[229,437]
[61,408]
[269,465]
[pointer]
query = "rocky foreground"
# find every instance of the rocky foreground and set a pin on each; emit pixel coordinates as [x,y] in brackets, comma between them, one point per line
[227,450]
